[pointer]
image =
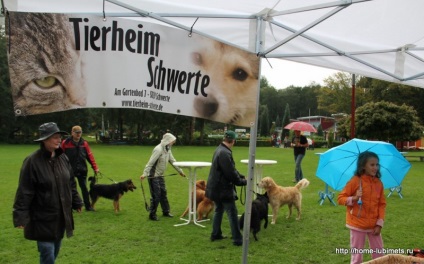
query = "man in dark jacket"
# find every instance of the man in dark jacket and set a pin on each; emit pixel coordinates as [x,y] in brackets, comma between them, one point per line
[46,195]
[220,188]
[78,151]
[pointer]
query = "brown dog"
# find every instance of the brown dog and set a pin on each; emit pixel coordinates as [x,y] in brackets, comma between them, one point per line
[204,208]
[204,205]
[279,196]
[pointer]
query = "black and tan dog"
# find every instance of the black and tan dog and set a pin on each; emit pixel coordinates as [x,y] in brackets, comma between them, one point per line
[110,191]
[259,213]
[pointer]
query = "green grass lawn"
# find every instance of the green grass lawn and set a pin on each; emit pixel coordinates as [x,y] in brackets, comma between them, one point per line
[128,237]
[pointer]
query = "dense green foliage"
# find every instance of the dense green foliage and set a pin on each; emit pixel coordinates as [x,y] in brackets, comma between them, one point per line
[384,121]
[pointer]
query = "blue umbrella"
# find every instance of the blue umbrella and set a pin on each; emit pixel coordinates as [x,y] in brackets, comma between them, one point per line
[337,165]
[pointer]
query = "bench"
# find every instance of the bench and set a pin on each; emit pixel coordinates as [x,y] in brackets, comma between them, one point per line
[420,157]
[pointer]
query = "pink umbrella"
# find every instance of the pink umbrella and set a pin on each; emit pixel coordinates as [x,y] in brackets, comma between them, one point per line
[301,126]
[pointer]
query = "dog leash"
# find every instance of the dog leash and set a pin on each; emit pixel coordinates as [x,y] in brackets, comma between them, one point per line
[101,176]
[145,202]
[146,205]
[172,174]
[243,188]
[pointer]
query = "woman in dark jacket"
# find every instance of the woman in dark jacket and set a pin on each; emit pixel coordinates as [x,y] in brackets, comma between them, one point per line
[46,195]
[220,188]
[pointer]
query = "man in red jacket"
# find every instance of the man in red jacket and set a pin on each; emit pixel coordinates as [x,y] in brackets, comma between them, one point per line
[78,151]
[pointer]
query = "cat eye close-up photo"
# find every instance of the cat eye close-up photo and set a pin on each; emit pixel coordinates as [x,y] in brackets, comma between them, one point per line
[45,69]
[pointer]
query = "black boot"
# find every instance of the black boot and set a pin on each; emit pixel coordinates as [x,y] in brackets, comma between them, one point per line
[153,217]
[153,208]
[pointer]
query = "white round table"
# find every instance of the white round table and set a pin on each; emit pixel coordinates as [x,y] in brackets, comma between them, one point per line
[192,166]
[258,171]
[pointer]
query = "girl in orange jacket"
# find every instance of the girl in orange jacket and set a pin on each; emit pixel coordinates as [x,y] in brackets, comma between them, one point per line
[365,204]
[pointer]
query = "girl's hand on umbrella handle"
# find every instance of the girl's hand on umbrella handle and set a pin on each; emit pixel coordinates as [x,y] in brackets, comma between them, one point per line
[359,193]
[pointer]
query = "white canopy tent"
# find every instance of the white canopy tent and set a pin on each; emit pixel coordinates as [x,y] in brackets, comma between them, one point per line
[383,39]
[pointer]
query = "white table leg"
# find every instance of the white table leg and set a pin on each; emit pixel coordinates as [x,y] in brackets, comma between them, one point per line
[192,201]
[258,178]
[190,196]
[194,206]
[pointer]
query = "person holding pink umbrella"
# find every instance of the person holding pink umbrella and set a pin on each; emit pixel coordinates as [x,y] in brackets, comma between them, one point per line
[299,144]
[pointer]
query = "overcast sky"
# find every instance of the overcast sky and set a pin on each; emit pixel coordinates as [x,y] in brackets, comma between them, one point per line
[285,73]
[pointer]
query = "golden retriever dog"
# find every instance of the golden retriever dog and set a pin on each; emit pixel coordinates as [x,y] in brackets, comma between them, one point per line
[279,196]
[204,208]
[230,96]
[204,205]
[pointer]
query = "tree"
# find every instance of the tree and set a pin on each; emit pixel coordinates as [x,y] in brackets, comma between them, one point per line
[277,121]
[393,92]
[388,122]
[269,96]
[343,126]
[264,121]
[320,132]
[336,95]
[330,138]
[272,129]
[297,97]
[286,120]
[6,104]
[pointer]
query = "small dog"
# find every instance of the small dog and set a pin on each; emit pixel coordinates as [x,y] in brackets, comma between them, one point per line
[234,76]
[112,191]
[259,212]
[203,204]
[279,196]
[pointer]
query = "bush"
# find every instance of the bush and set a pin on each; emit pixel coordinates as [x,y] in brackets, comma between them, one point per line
[324,144]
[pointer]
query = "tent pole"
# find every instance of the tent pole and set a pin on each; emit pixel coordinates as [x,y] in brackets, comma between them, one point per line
[252,148]
[352,110]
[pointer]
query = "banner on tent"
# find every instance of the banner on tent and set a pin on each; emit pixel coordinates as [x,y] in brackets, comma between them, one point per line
[60,61]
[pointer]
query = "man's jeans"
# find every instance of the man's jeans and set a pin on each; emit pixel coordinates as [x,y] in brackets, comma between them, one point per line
[231,210]
[48,251]
[298,174]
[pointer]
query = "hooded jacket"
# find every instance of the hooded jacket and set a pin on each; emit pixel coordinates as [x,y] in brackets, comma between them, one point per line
[161,154]
[223,176]
[45,196]
[373,208]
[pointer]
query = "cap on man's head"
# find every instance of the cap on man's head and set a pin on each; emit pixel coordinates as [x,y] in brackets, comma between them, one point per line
[230,134]
[76,129]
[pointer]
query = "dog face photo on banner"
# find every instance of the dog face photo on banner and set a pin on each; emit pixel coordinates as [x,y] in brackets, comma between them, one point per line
[234,76]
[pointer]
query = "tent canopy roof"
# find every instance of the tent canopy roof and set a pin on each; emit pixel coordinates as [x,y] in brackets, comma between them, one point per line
[383,39]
